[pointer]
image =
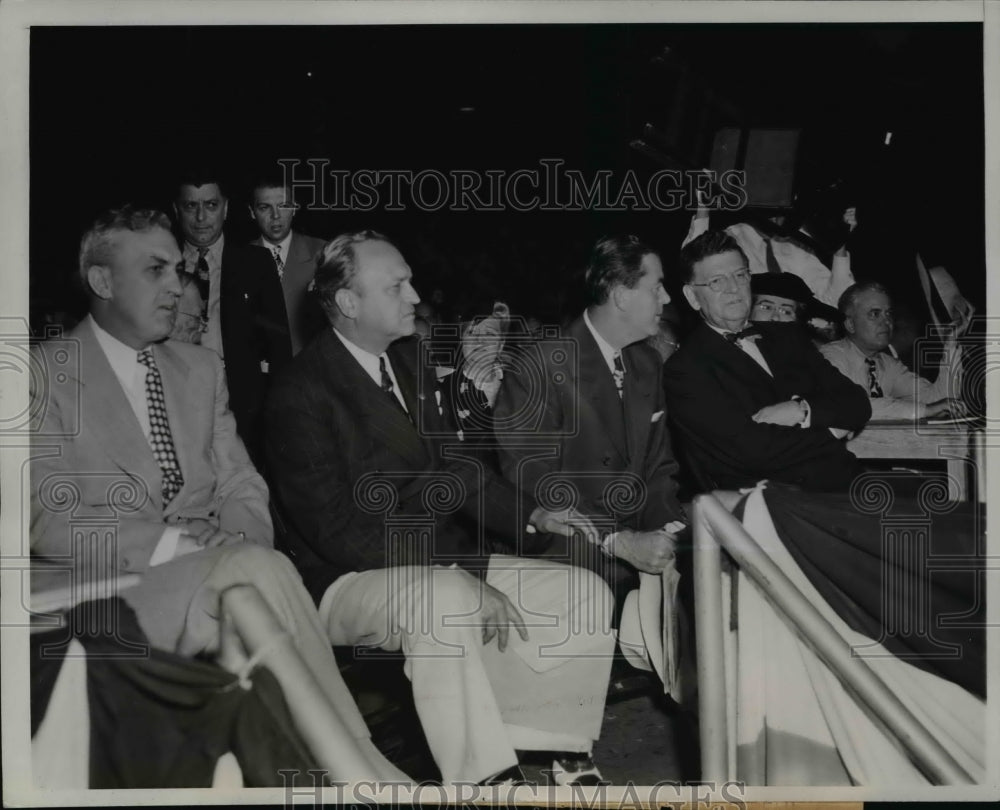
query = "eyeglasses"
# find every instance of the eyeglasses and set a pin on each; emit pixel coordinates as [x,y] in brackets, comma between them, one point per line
[719,284]
[767,308]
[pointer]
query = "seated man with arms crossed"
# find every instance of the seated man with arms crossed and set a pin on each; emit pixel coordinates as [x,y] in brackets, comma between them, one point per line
[753,402]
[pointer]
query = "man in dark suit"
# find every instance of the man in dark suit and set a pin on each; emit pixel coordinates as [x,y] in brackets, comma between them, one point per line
[760,402]
[273,209]
[392,525]
[139,470]
[243,306]
[599,411]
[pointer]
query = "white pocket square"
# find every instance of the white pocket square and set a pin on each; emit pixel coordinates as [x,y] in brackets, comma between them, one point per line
[656,417]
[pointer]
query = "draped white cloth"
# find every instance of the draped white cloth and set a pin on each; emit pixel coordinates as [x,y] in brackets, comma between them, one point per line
[791,721]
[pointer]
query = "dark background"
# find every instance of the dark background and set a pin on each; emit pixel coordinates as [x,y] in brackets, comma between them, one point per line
[115,112]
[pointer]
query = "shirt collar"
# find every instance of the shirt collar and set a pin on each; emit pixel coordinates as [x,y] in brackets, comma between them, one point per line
[283,245]
[368,361]
[213,254]
[608,351]
[122,358]
[724,332]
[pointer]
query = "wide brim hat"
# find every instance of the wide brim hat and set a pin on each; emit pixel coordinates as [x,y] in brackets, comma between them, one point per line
[790,286]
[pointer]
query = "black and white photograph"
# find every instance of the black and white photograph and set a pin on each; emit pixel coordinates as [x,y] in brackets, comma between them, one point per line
[562,402]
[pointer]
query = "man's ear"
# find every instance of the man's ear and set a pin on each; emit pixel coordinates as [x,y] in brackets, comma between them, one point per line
[849,325]
[99,281]
[250,211]
[225,209]
[347,302]
[620,295]
[690,297]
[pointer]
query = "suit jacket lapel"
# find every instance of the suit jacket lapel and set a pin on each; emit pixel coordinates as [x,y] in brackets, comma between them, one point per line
[736,359]
[110,417]
[639,399]
[386,419]
[597,387]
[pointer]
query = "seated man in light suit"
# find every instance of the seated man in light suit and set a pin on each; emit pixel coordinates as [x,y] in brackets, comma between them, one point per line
[602,412]
[392,525]
[273,209]
[138,435]
[862,356]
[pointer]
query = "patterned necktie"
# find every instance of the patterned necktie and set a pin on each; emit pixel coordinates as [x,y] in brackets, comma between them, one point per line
[201,278]
[279,263]
[159,429]
[874,389]
[619,374]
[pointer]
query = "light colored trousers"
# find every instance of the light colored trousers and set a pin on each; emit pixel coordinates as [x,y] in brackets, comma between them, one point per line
[177,605]
[477,704]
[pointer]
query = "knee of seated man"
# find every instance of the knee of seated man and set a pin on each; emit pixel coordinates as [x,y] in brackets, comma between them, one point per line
[445,594]
[252,564]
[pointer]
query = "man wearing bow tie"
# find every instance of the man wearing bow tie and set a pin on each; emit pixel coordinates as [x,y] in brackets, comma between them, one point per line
[392,522]
[273,209]
[754,402]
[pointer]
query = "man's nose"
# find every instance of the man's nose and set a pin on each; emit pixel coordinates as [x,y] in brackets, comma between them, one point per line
[199,213]
[664,297]
[411,295]
[174,285]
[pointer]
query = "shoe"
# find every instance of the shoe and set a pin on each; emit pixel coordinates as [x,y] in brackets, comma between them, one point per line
[509,777]
[576,770]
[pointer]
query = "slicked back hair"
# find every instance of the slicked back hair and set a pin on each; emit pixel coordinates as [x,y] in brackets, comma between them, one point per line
[336,265]
[614,260]
[710,243]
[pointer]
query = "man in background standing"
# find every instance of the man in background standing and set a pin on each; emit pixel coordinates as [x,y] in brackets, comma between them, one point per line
[242,304]
[273,209]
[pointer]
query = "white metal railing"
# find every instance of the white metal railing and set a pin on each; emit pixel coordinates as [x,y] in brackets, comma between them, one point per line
[715,528]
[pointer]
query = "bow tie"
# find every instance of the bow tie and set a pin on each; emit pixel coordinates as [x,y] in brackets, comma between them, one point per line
[750,333]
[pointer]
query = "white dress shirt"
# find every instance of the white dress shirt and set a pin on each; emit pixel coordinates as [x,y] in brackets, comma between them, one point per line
[282,247]
[369,362]
[212,339]
[748,346]
[131,375]
[608,351]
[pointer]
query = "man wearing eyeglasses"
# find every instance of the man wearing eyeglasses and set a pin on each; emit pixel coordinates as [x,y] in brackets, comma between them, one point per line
[894,390]
[754,401]
[273,210]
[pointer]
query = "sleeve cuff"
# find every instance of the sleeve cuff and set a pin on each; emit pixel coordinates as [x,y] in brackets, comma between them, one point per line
[166,547]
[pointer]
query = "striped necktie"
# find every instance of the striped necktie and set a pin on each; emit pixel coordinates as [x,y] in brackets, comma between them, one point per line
[278,262]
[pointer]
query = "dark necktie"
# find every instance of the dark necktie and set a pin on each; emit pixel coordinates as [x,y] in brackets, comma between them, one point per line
[750,332]
[874,389]
[201,277]
[772,260]
[388,387]
[619,374]
[159,430]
